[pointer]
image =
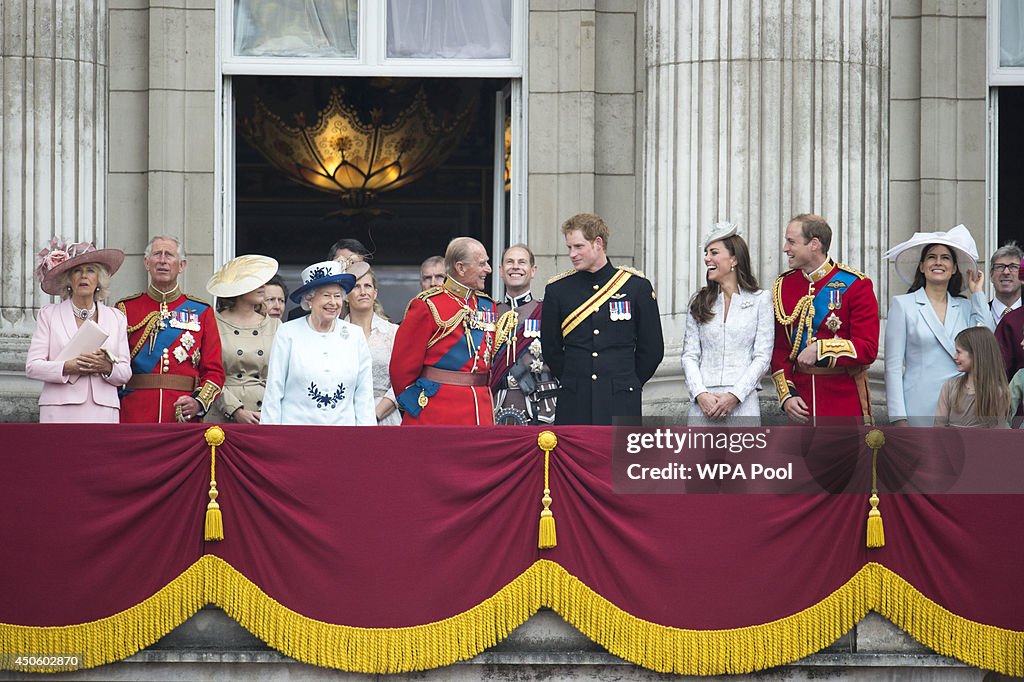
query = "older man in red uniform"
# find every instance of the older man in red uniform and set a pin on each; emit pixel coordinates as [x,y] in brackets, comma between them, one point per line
[826,329]
[177,370]
[440,367]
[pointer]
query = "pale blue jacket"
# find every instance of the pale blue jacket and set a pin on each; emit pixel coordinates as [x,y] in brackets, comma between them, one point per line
[919,351]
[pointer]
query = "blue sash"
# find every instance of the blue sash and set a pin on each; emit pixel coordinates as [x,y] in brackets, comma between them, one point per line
[147,359]
[826,295]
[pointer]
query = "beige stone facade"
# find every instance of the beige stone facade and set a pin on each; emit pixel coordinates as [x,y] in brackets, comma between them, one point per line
[662,116]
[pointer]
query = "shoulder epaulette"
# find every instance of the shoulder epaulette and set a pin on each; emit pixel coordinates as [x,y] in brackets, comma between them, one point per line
[130,298]
[432,291]
[632,271]
[562,275]
[847,268]
[197,300]
[787,273]
[481,294]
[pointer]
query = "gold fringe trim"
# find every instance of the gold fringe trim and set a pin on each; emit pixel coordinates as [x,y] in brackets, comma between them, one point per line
[545,583]
[115,637]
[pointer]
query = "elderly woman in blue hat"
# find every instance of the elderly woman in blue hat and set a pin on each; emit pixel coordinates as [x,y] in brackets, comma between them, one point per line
[729,334]
[321,372]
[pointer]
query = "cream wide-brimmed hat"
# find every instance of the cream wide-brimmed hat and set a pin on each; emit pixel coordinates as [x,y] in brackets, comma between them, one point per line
[907,255]
[63,256]
[241,275]
[720,231]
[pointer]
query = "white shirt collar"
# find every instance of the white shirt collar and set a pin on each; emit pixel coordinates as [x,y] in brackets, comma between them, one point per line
[998,308]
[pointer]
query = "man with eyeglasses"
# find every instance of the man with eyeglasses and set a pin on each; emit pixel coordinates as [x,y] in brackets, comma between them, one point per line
[1010,331]
[1005,272]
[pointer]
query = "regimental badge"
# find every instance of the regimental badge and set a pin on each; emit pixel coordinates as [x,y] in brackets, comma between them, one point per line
[196,357]
[180,354]
[187,340]
[833,322]
[620,310]
[536,365]
[535,348]
[531,328]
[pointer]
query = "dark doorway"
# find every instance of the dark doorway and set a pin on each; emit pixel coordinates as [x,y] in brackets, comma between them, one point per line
[1011,166]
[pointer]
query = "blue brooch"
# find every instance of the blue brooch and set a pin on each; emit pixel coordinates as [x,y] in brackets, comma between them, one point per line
[323,400]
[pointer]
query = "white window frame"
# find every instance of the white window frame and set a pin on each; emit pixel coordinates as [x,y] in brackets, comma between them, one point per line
[371,60]
[997,74]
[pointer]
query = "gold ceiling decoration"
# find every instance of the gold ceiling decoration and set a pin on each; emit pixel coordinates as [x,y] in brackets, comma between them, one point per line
[355,159]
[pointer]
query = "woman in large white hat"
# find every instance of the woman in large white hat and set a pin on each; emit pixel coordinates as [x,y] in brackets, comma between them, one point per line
[79,349]
[729,334]
[923,323]
[246,336]
[321,371]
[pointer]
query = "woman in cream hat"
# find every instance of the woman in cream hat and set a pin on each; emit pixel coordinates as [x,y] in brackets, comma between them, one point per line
[729,334]
[81,387]
[923,323]
[246,336]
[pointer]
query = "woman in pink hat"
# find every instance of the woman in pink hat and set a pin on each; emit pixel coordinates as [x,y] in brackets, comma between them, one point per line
[80,346]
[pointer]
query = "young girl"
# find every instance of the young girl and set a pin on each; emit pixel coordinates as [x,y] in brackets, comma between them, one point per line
[980,396]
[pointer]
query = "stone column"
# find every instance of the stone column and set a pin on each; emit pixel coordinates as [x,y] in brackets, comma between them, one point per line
[758,110]
[53,77]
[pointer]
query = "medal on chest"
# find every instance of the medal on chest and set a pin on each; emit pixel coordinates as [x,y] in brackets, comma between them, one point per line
[531,328]
[620,310]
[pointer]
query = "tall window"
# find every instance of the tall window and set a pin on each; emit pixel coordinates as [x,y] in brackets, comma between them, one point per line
[376,40]
[1006,107]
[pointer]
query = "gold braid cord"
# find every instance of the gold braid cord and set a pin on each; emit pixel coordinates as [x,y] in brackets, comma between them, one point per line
[505,328]
[445,327]
[802,315]
[149,322]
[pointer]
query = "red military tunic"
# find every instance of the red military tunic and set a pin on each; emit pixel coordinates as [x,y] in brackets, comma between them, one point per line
[448,328]
[176,351]
[835,305]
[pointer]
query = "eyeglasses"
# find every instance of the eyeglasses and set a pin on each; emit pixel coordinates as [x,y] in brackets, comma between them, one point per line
[1006,267]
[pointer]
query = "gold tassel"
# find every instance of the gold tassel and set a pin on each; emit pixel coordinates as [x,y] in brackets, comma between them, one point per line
[876,531]
[548,538]
[214,522]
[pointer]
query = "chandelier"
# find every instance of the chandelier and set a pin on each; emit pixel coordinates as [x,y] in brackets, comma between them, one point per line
[355,159]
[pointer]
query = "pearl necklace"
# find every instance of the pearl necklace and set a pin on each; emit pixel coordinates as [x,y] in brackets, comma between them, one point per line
[83,313]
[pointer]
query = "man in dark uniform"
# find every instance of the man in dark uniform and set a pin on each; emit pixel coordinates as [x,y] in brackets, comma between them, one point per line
[524,389]
[600,330]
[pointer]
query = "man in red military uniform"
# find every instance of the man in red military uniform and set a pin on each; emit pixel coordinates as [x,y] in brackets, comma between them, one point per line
[440,366]
[826,329]
[177,370]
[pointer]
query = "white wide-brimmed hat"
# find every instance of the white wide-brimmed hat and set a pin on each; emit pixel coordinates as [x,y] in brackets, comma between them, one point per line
[720,231]
[323,274]
[63,256]
[907,255]
[241,275]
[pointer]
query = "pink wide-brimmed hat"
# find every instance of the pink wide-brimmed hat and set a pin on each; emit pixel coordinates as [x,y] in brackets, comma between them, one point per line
[63,256]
